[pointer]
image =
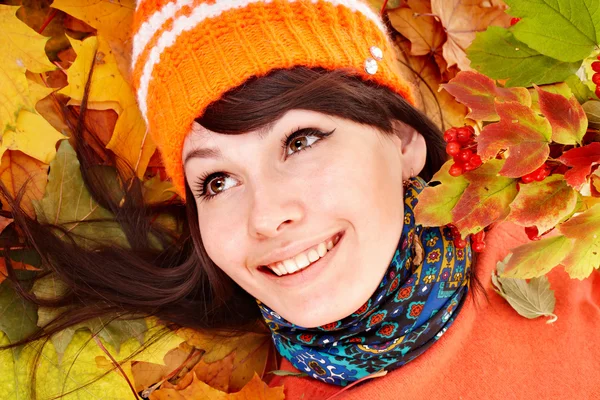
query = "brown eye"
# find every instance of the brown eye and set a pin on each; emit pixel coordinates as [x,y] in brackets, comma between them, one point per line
[299,143]
[216,185]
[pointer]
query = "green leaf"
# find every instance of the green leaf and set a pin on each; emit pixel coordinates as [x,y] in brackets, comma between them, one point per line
[531,300]
[585,254]
[579,89]
[68,203]
[18,317]
[436,202]
[486,199]
[592,110]
[281,372]
[563,29]
[497,54]
[537,258]
[113,332]
[543,204]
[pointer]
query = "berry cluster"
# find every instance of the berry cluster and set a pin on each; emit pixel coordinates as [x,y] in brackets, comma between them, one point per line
[538,175]
[477,239]
[596,76]
[460,144]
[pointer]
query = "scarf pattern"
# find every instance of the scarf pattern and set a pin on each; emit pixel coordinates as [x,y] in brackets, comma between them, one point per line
[417,300]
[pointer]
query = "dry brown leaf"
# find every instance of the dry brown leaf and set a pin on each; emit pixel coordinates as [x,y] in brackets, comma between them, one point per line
[216,374]
[251,352]
[146,374]
[462,19]
[424,73]
[15,264]
[255,389]
[426,35]
[16,167]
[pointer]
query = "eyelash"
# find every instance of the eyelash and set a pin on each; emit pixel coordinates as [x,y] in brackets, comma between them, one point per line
[207,177]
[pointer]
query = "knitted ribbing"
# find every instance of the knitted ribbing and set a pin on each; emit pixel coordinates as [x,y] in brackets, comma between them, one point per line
[187,54]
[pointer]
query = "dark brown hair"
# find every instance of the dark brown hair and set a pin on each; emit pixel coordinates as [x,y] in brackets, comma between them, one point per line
[179,283]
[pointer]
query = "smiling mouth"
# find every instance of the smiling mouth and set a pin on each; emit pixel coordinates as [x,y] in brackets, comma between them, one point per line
[304,259]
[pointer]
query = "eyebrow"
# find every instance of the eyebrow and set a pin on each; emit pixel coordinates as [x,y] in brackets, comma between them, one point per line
[216,153]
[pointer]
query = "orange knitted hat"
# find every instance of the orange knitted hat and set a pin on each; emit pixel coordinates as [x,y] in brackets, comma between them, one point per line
[188,53]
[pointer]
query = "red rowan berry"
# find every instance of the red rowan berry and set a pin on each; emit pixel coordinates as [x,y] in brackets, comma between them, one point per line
[514,21]
[596,66]
[460,243]
[465,155]
[456,170]
[478,247]
[527,178]
[475,160]
[452,148]
[464,135]
[595,79]
[532,232]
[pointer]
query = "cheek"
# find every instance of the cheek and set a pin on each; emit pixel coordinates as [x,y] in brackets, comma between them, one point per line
[219,241]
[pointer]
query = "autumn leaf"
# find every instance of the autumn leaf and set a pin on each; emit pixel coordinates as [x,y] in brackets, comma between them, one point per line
[426,35]
[537,258]
[531,300]
[566,116]
[497,54]
[68,203]
[462,19]
[435,204]
[216,374]
[486,199]
[581,159]
[18,317]
[255,389]
[15,265]
[22,49]
[109,90]
[423,73]
[585,254]
[15,169]
[479,93]
[543,204]
[562,29]
[251,352]
[113,21]
[520,131]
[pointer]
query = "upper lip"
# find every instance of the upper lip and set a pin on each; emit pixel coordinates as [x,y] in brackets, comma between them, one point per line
[289,250]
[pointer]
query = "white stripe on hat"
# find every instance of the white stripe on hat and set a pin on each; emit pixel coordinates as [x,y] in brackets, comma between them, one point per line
[205,11]
[152,25]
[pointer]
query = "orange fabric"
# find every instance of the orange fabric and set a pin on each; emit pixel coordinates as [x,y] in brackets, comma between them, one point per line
[491,352]
[214,55]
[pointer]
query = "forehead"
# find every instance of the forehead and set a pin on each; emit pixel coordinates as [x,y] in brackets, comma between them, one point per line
[199,136]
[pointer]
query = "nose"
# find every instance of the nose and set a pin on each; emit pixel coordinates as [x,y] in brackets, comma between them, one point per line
[275,206]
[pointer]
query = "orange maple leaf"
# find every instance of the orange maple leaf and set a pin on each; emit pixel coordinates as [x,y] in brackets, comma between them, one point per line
[254,390]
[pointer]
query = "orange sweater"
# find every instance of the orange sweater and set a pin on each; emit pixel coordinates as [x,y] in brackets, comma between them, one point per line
[491,352]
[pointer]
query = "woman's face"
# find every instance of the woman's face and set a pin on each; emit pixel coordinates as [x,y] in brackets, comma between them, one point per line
[274,201]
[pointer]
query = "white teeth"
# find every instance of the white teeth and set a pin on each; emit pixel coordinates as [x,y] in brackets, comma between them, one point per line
[303,260]
[322,249]
[290,266]
[313,255]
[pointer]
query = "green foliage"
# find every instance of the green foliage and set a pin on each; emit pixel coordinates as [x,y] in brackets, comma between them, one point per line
[499,55]
[566,30]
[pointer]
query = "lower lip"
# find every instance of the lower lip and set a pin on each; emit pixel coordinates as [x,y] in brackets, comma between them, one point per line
[308,273]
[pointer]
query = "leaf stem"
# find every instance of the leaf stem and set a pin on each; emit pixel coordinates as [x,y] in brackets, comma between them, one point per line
[116,364]
[48,20]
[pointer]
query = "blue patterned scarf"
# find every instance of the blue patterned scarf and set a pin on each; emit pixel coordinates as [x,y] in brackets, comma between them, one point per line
[419,297]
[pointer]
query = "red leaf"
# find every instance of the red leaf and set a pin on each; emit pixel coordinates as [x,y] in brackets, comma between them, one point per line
[566,116]
[479,93]
[520,131]
[581,159]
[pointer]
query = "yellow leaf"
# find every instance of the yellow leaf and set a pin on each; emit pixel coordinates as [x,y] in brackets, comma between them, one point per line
[22,49]
[34,136]
[255,389]
[108,89]
[15,168]
[113,21]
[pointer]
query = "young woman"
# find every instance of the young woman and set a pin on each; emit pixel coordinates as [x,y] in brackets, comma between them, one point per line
[297,147]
